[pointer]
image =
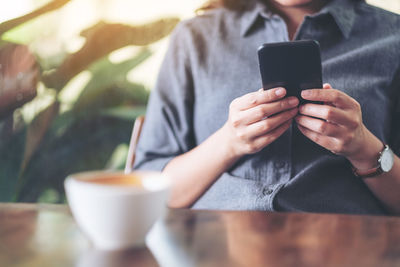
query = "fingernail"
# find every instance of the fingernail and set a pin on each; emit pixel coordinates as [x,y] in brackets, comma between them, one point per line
[327,85]
[293,101]
[280,92]
[305,93]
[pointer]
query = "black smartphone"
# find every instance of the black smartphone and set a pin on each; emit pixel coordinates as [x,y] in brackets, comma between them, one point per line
[293,65]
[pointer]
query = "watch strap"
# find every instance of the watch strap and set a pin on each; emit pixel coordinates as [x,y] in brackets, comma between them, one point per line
[368,173]
[376,171]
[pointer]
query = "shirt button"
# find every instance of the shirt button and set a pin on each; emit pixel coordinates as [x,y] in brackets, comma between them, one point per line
[267,191]
[276,17]
[279,164]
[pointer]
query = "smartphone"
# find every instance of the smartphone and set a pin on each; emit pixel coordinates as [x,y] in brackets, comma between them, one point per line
[293,65]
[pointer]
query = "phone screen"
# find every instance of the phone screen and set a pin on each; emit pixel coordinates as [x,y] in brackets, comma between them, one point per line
[293,65]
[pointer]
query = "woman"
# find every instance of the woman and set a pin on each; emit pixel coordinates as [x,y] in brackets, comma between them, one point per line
[228,146]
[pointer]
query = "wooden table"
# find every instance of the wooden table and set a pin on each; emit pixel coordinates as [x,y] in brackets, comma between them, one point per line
[46,235]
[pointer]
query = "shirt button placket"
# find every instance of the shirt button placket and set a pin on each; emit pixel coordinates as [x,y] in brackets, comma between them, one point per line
[267,191]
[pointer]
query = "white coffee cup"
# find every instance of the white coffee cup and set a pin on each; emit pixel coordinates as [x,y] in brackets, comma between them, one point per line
[116,216]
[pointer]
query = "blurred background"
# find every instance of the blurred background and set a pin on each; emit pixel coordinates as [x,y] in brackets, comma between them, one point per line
[78,74]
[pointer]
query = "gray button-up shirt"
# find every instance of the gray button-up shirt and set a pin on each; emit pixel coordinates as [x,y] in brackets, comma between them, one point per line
[212,59]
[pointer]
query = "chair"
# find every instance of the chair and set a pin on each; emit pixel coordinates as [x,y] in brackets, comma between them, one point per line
[137,128]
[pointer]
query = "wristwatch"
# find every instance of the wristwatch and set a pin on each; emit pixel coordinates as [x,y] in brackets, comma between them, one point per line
[385,164]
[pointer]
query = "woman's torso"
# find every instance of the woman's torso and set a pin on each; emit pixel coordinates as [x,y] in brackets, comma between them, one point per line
[360,49]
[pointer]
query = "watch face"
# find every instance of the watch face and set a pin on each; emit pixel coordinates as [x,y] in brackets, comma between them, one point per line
[387,160]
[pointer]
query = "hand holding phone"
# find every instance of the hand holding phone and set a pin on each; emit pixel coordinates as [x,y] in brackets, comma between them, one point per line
[296,66]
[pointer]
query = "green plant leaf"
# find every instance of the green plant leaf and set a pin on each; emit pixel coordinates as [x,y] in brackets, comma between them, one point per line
[37,130]
[49,195]
[109,87]
[11,152]
[61,123]
[124,112]
[10,24]
[86,145]
[102,39]
[118,157]
[19,75]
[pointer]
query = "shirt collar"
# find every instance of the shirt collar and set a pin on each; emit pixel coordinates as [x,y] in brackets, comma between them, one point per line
[342,11]
[344,14]
[250,16]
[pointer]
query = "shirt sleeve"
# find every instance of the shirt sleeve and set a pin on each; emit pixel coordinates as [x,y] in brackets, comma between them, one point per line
[167,131]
